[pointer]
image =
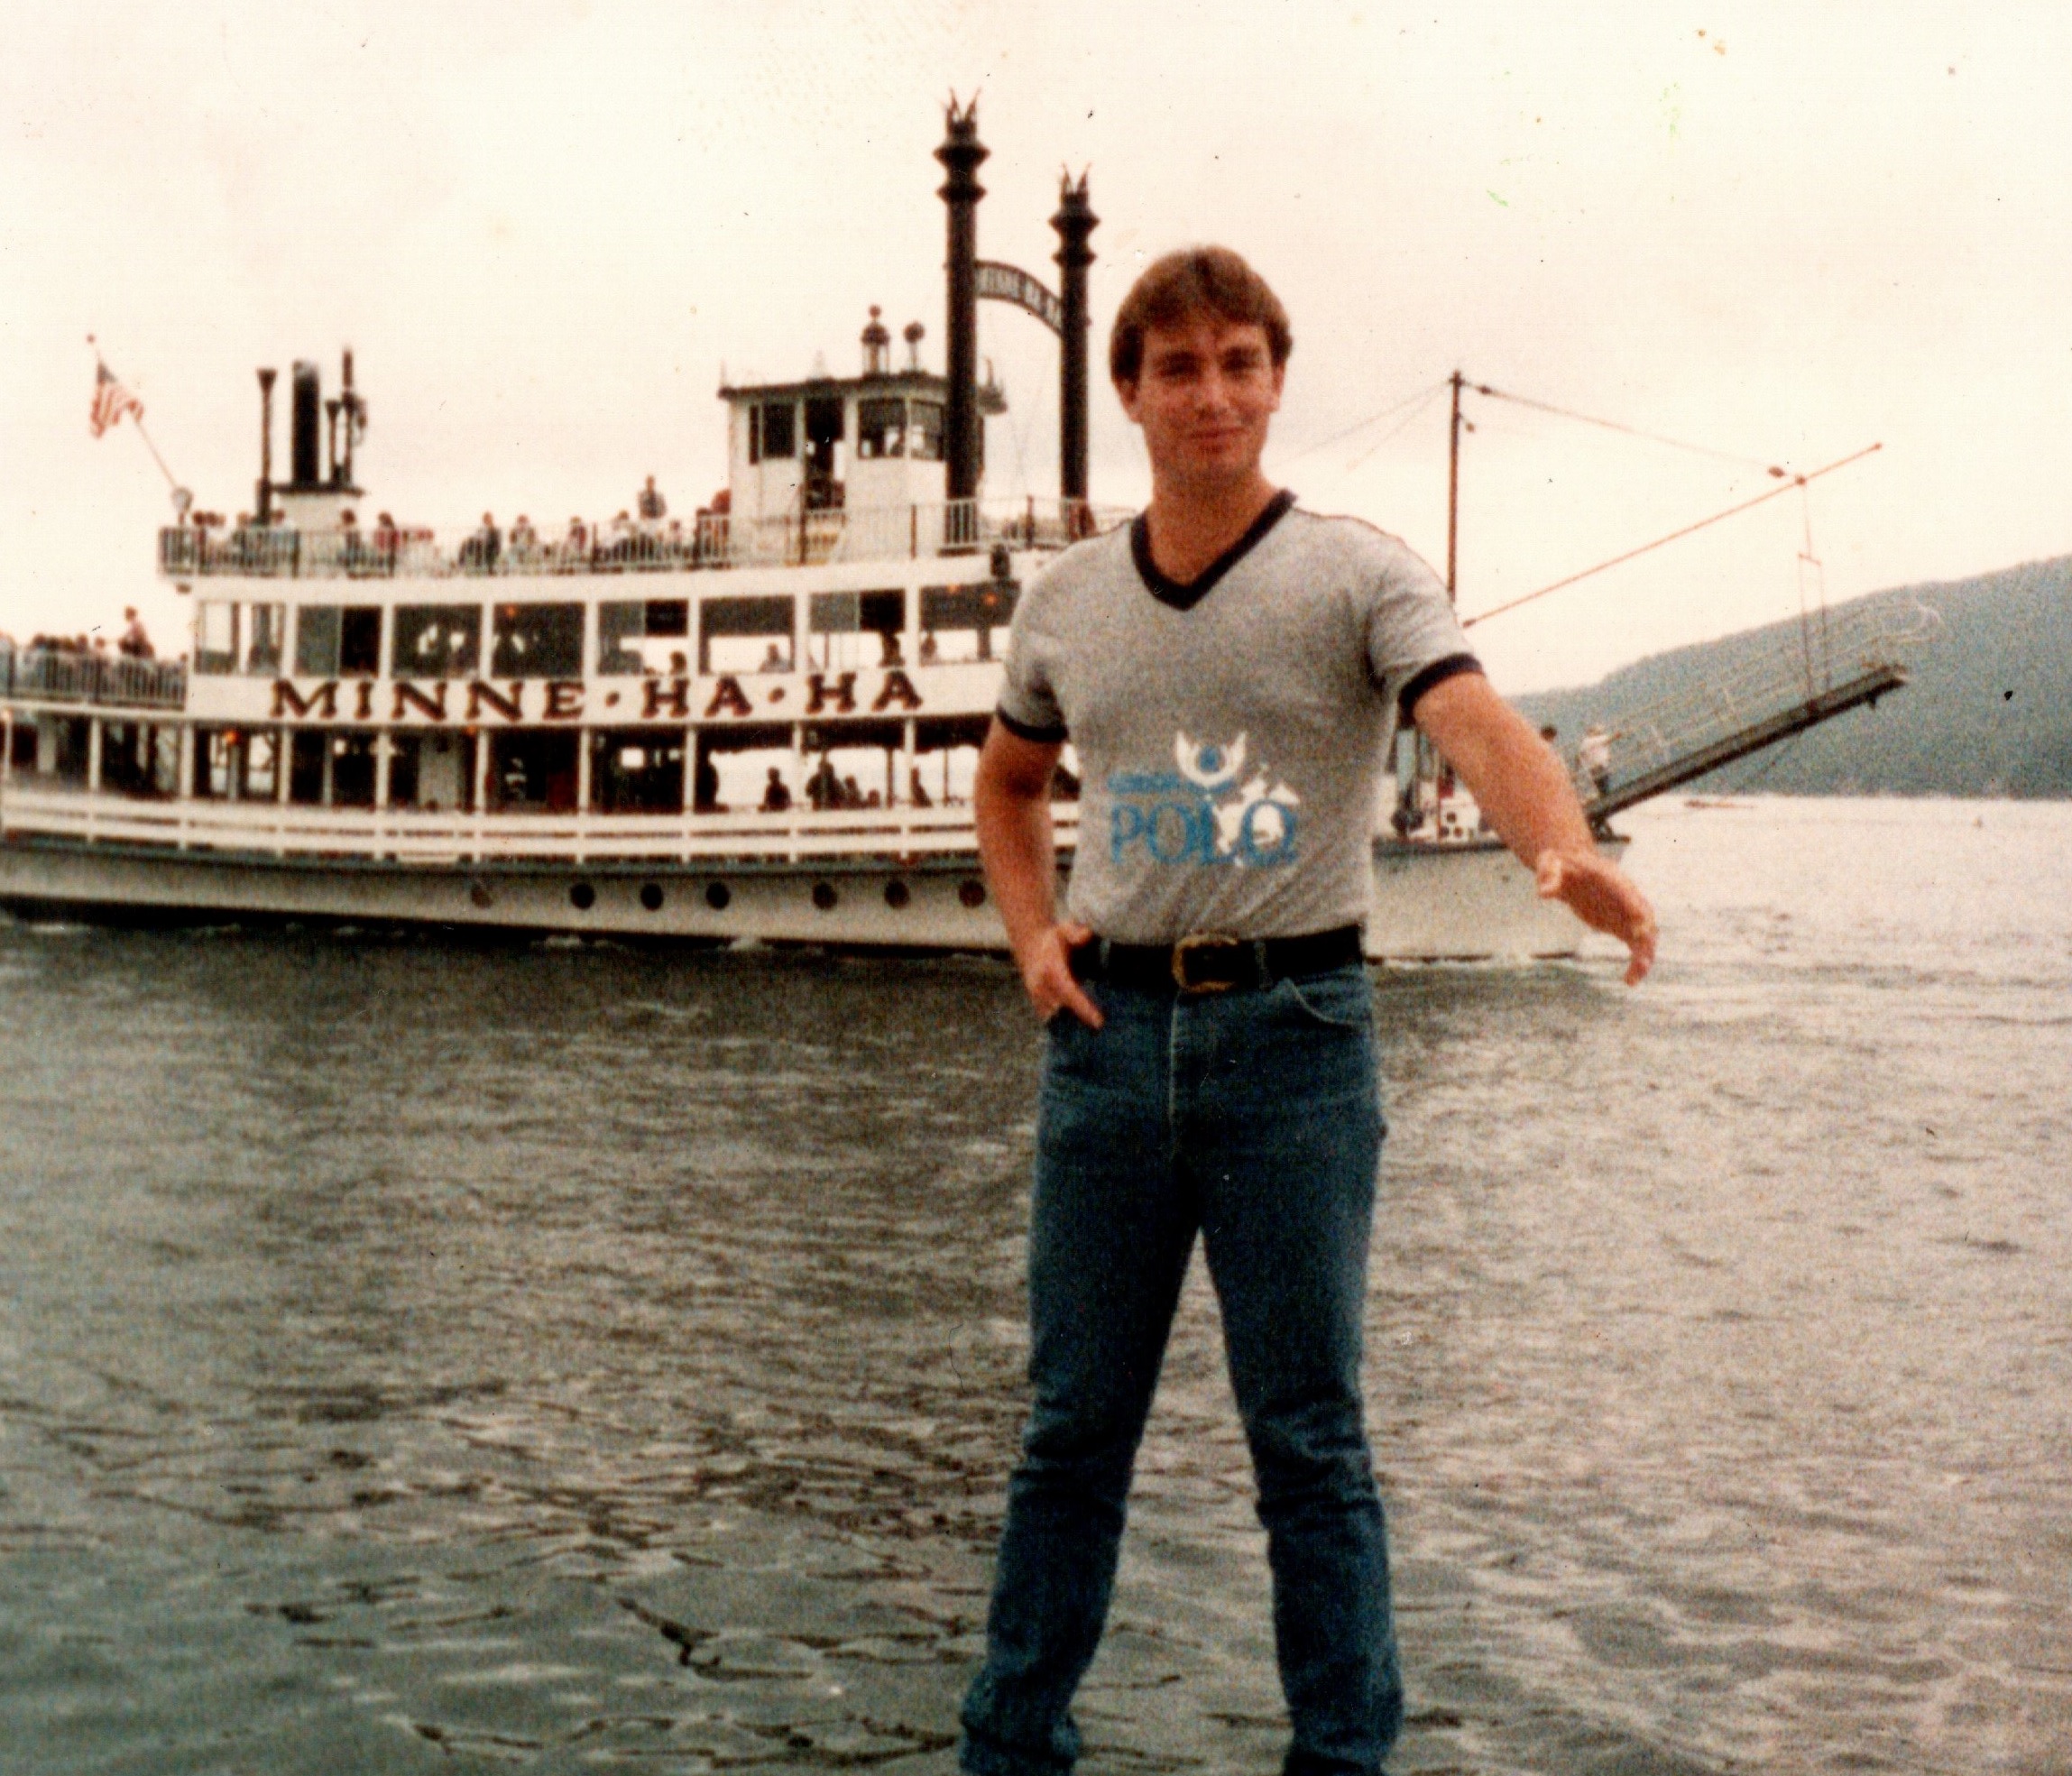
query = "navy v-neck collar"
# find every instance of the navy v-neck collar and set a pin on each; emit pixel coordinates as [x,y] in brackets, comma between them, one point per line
[1185,597]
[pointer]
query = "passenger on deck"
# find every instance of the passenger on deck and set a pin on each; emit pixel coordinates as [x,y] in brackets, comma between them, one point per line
[524,539]
[480,551]
[136,644]
[852,796]
[889,652]
[652,506]
[776,793]
[824,788]
[927,647]
[774,661]
[706,787]
[916,793]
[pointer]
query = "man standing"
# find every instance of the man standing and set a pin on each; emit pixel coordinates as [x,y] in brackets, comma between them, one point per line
[1230,668]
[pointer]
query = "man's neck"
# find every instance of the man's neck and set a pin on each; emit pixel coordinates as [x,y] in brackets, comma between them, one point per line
[1191,528]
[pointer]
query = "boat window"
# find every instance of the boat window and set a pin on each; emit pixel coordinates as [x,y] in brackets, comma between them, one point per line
[852,765]
[532,771]
[316,641]
[536,642]
[626,628]
[137,758]
[856,628]
[745,634]
[637,770]
[435,642]
[360,640]
[925,433]
[730,770]
[214,636]
[352,771]
[432,771]
[266,636]
[881,426]
[958,621]
[773,430]
[262,760]
[946,757]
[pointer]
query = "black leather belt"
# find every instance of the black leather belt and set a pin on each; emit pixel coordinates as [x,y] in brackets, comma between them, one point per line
[1209,963]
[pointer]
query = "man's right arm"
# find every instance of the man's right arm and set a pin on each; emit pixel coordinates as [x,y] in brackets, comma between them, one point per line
[1012,809]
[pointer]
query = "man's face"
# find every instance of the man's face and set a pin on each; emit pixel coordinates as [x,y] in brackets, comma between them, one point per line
[1204,394]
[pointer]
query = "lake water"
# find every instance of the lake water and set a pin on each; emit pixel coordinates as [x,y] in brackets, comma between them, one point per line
[419,1356]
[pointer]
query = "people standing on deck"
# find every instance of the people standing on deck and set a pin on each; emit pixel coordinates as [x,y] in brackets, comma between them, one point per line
[1595,756]
[136,644]
[651,505]
[1209,1064]
[776,793]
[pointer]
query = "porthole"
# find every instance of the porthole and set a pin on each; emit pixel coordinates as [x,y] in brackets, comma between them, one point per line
[971,892]
[898,894]
[825,896]
[717,895]
[479,893]
[581,897]
[651,896]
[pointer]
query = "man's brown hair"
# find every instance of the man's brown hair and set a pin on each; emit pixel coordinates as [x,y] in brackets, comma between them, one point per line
[1195,283]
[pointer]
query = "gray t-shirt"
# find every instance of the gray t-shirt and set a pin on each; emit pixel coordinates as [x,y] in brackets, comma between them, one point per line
[1231,732]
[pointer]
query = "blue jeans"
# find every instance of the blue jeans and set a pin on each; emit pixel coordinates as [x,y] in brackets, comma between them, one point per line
[1253,1118]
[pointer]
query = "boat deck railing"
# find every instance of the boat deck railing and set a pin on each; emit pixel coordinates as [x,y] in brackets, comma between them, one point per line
[427,837]
[1784,683]
[65,675]
[712,541]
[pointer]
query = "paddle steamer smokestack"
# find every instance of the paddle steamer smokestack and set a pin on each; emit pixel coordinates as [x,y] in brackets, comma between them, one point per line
[1074,222]
[265,446]
[961,153]
[304,418]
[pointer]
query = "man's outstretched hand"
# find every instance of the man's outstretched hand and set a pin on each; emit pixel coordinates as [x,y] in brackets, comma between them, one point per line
[1605,899]
[1046,974]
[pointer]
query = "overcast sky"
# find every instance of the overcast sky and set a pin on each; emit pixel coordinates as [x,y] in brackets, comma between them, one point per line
[1780,232]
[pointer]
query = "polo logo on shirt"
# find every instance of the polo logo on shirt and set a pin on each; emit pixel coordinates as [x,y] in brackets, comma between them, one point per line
[1205,812]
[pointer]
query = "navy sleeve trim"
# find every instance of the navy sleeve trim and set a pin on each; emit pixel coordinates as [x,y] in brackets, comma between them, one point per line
[1031,730]
[1437,673]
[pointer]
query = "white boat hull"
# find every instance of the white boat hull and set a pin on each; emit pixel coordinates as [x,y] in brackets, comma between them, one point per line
[1457,902]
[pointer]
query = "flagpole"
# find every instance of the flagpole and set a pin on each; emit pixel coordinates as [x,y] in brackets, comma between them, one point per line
[155,457]
[136,409]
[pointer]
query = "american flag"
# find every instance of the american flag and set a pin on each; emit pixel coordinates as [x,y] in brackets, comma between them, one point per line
[111,400]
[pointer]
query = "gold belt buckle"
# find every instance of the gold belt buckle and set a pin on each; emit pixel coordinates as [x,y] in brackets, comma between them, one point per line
[1201,940]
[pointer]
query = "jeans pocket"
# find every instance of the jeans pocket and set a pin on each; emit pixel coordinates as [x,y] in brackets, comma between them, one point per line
[1343,1000]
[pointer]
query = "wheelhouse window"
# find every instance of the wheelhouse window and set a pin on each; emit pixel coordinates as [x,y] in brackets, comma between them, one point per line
[214,636]
[772,429]
[644,635]
[880,427]
[435,642]
[536,642]
[924,431]
[266,637]
[745,634]
[856,628]
[958,621]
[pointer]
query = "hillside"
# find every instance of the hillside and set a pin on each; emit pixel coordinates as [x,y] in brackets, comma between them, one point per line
[1989,712]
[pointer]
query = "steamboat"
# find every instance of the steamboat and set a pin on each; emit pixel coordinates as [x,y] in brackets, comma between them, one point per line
[759,722]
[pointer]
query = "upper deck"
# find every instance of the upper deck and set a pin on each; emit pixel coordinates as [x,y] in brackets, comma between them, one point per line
[712,540]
